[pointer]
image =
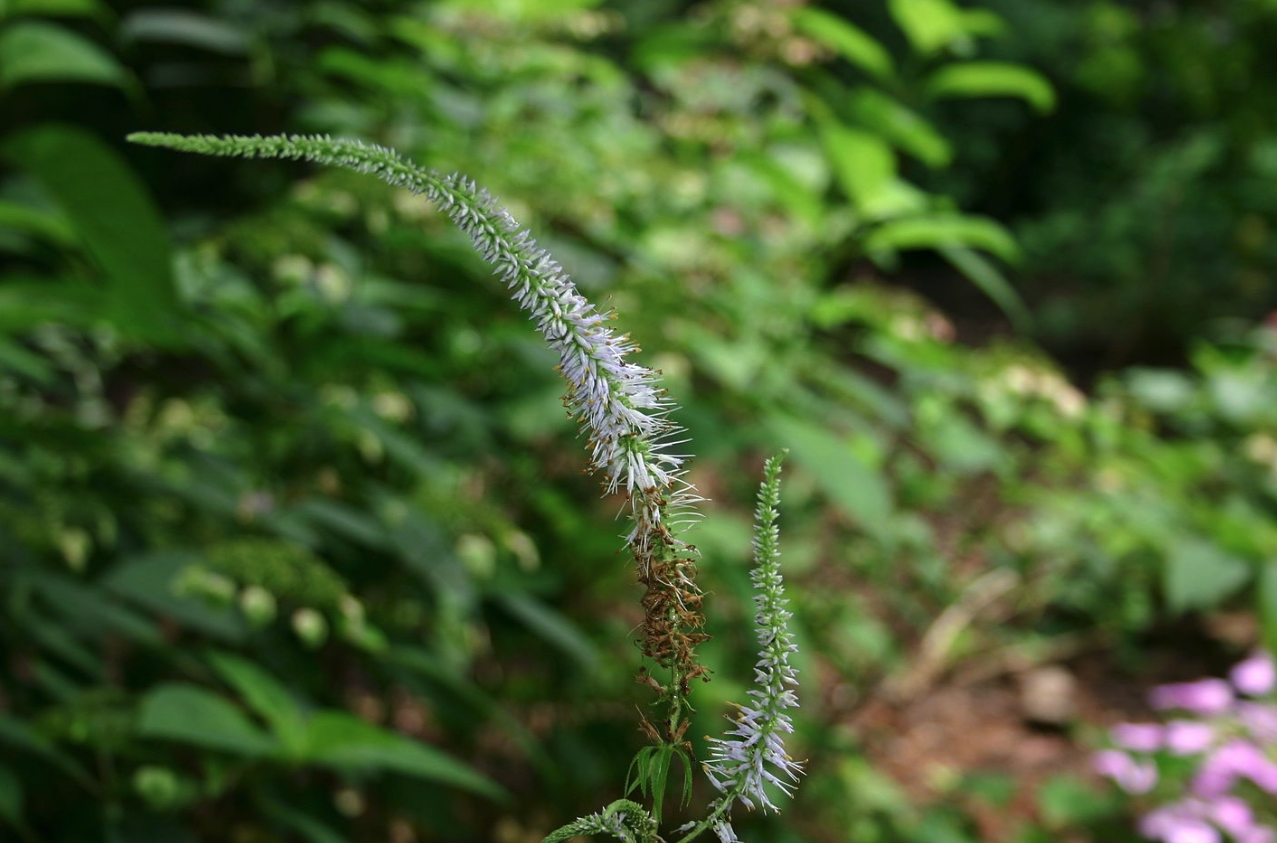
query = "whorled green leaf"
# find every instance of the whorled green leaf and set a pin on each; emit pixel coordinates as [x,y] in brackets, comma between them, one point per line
[992,79]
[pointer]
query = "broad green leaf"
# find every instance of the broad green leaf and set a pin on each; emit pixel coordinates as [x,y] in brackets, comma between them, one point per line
[857,489]
[10,796]
[189,714]
[342,741]
[114,217]
[904,127]
[268,697]
[992,79]
[36,51]
[1198,575]
[848,40]
[936,230]
[991,282]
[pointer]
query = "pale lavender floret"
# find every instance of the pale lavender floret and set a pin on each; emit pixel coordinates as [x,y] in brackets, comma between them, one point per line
[1205,697]
[1256,676]
[1130,775]
[1256,834]
[1188,737]
[1140,737]
[622,409]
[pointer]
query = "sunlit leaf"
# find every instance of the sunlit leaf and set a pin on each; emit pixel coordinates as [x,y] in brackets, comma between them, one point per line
[937,230]
[904,127]
[848,40]
[992,79]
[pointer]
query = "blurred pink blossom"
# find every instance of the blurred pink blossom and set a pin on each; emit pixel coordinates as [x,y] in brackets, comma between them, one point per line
[1188,737]
[1205,696]
[1130,775]
[1255,676]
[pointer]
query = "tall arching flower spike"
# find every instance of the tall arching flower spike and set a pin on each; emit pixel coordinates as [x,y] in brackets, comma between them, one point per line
[625,415]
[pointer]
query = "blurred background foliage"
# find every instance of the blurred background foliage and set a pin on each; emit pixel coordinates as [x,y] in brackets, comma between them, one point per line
[295,539]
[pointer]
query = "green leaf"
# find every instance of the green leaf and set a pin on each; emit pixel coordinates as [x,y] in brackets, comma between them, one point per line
[936,230]
[114,217]
[854,487]
[991,282]
[268,697]
[992,79]
[36,51]
[845,38]
[86,610]
[1198,575]
[930,25]
[1267,600]
[344,742]
[10,796]
[552,626]
[183,26]
[297,820]
[189,714]
[865,166]
[902,126]
[148,581]
[16,733]
[55,8]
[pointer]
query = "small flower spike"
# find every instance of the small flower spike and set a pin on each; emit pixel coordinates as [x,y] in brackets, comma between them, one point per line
[752,755]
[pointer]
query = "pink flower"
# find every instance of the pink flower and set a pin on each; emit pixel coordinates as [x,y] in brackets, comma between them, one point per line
[1188,737]
[1260,719]
[1141,737]
[1233,760]
[1205,696]
[1256,834]
[1129,774]
[1232,814]
[1255,676]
